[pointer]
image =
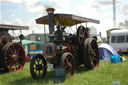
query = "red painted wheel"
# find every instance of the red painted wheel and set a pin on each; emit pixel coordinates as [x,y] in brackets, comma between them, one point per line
[67,60]
[13,57]
[38,66]
[90,53]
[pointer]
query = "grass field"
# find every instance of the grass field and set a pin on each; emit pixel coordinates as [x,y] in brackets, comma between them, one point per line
[105,74]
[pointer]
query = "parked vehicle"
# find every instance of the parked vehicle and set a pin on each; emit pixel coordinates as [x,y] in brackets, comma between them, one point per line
[12,55]
[67,50]
[119,40]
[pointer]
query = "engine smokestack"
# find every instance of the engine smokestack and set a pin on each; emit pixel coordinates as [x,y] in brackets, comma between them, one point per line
[50,12]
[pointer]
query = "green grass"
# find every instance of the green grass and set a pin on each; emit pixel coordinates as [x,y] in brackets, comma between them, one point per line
[103,75]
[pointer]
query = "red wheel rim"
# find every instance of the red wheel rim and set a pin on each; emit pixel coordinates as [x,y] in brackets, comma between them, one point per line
[14,57]
[68,62]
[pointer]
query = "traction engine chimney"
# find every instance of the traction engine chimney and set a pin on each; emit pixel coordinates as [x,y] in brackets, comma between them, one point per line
[50,12]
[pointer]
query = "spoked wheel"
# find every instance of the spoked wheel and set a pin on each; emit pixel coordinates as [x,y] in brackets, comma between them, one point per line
[90,53]
[38,67]
[13,57]
[67,60]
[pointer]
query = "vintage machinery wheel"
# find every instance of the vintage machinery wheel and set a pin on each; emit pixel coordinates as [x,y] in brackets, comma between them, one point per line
[4,39]
[90,53]
[81,31]
[13,57]
[38,66]
[6,34]
[68,61]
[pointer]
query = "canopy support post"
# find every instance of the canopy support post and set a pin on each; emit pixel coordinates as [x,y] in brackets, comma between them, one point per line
[44,33]
[86,24]
[76,27]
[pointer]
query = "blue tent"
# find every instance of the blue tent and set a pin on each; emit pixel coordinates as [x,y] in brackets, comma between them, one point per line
[106,51]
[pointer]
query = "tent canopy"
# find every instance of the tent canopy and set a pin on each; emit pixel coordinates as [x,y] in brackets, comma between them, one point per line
[29,42]
[106,51]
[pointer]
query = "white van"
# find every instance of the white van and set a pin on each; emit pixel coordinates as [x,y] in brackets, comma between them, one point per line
[119,40]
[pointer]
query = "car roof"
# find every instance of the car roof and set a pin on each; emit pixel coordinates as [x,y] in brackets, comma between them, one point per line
[119,32]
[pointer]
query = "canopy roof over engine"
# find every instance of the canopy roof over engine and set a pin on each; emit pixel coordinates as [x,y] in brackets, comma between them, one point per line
[13,27]
[66,20]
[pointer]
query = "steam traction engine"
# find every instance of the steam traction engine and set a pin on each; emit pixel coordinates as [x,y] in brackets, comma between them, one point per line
[68,50]
[12,55]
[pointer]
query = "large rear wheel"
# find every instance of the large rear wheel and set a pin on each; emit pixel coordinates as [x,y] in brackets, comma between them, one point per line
[90,53]
[67,60]
[38,66]
[13,57]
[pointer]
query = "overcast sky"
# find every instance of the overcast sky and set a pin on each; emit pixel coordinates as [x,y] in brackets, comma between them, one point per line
[24,12]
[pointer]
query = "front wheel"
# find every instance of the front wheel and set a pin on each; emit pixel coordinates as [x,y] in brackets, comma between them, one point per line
[67,60]
[38,66]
